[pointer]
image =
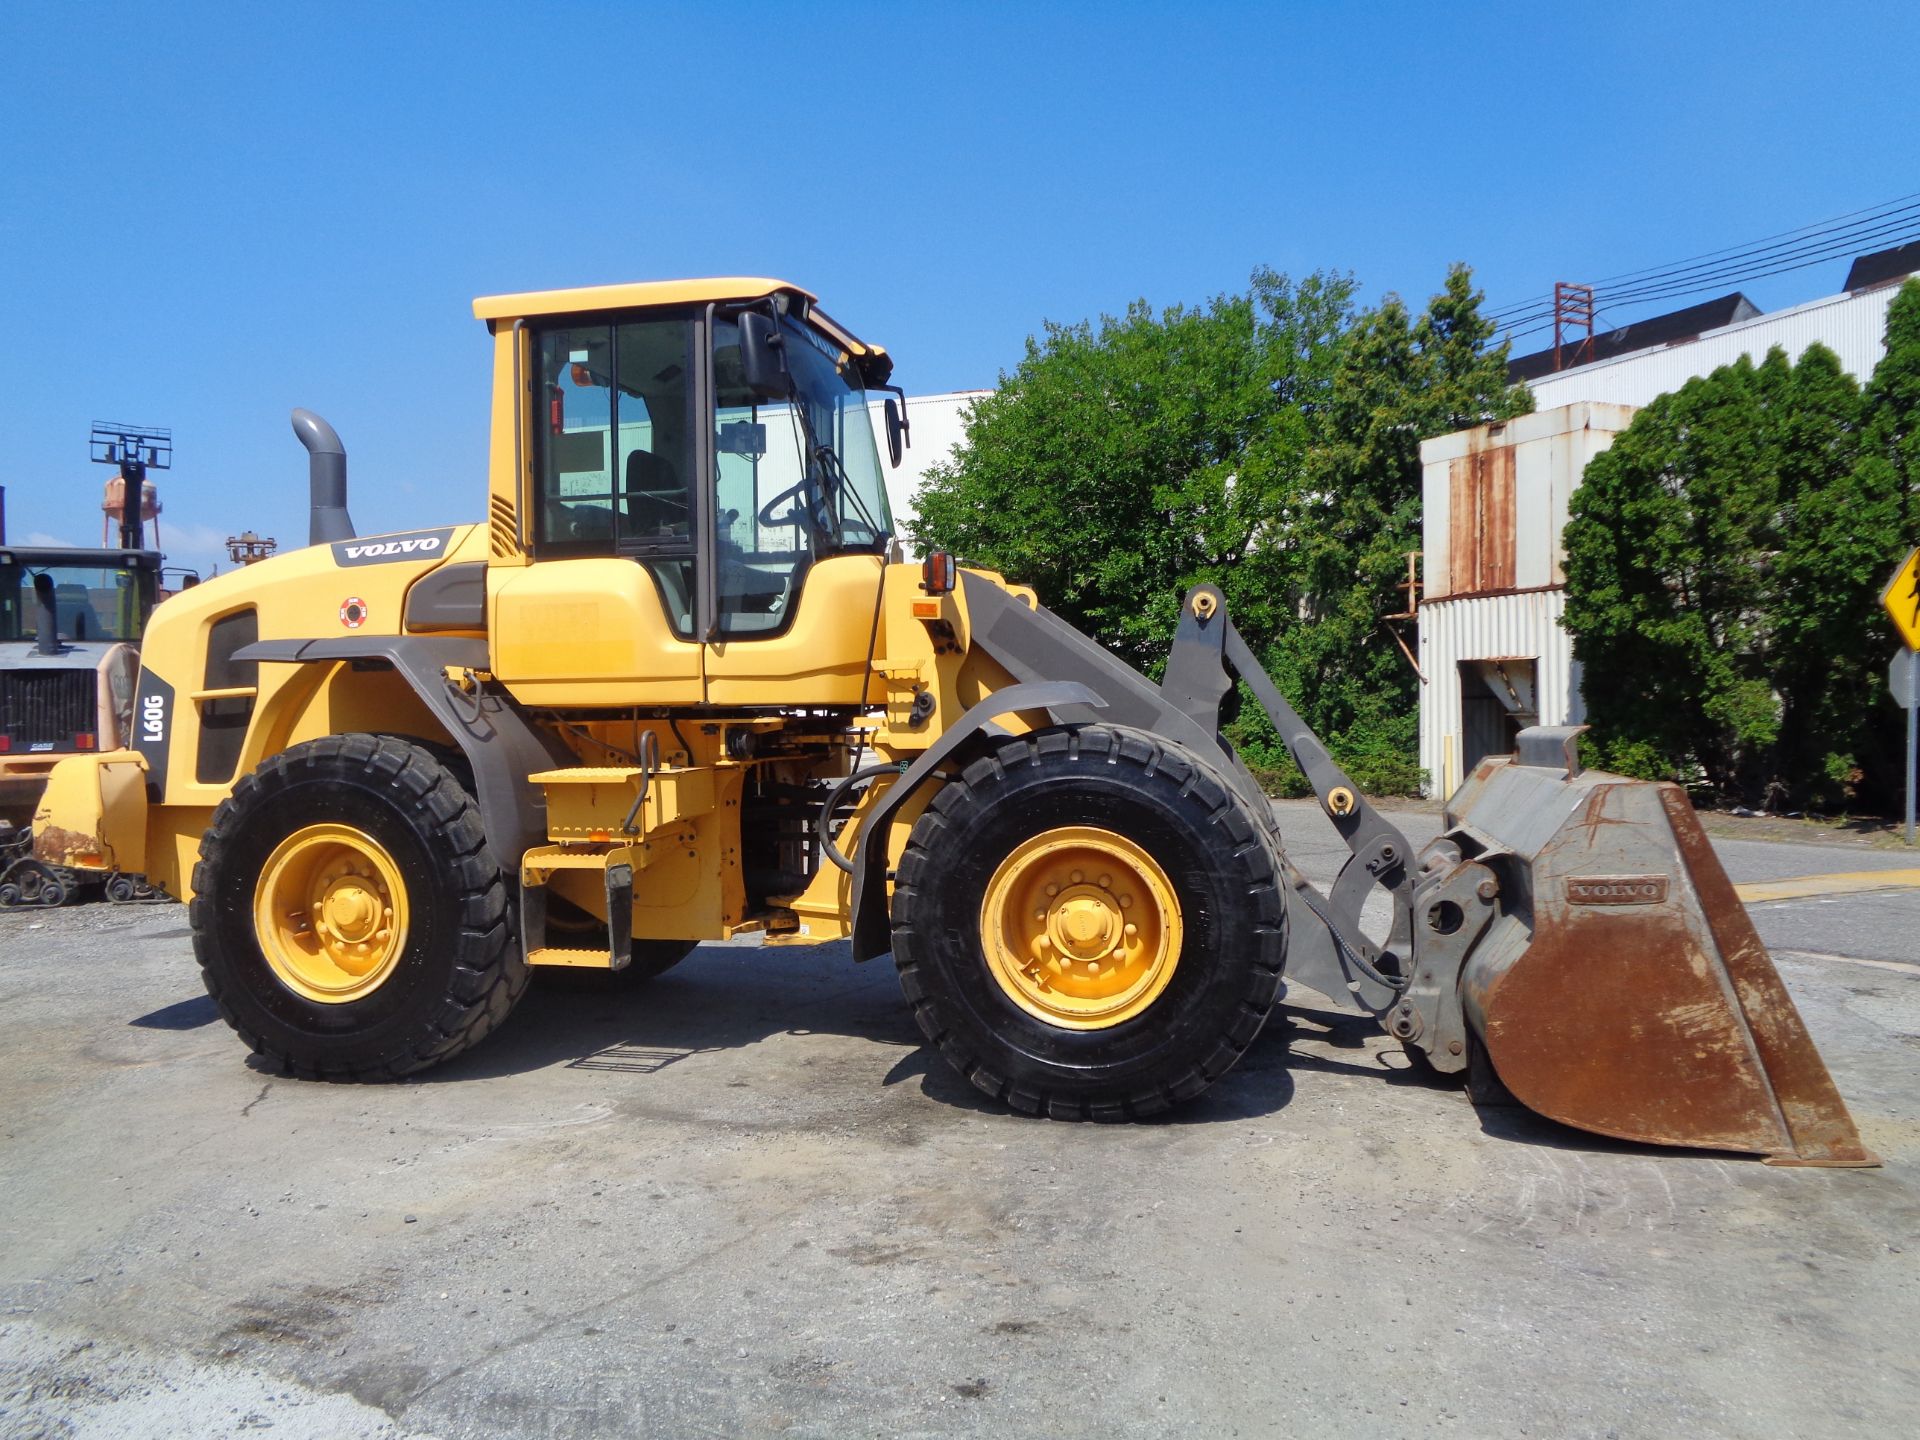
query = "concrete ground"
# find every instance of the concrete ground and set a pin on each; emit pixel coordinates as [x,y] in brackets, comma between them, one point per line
[746,1201]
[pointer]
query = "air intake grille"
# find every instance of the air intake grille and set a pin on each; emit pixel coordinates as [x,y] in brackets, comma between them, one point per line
[46,707]
[503,532]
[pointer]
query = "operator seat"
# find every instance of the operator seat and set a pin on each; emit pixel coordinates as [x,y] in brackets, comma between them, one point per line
[656,501]
[656,504]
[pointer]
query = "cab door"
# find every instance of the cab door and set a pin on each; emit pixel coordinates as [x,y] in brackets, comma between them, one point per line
[798,563]
[606,613]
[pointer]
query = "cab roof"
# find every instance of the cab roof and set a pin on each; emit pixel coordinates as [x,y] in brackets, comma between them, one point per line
[644,294]
[633,297]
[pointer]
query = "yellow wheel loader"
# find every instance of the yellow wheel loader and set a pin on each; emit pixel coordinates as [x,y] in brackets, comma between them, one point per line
[677,687]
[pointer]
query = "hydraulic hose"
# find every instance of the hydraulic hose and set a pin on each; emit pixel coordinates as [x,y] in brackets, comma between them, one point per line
[834,797]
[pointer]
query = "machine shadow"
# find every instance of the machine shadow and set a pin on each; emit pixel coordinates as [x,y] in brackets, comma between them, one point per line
[721,997]
[728,997]
[189,1014]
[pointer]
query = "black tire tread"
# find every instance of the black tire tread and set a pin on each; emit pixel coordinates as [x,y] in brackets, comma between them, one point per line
[490,974]
[1151,758]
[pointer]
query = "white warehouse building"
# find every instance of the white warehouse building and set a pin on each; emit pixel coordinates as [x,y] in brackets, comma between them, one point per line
[1493,656]
[938,426]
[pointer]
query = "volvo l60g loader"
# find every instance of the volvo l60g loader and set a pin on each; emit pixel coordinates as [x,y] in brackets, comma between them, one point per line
[672,689]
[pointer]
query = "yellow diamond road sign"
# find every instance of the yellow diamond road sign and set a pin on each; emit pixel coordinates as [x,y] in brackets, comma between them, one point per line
[1903,601]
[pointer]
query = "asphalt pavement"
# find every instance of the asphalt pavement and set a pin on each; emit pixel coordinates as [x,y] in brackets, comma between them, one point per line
[746,1200]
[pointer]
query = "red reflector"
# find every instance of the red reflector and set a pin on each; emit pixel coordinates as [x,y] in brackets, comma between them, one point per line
[556,408]
[85,741]
[6,743]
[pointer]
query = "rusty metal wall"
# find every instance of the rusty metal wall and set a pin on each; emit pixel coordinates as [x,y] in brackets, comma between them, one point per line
[1480,537]
[1490,627]
[1495,498]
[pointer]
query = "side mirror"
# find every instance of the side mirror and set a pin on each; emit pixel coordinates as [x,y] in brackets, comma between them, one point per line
[763,359]
[897,438]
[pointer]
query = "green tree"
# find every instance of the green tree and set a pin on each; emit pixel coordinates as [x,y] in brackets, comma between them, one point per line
[1402,378]
[1119,464]
[1823,586]
[1670,537]
[1887,483]
[1724,563]
[1267,442]
[1890,443]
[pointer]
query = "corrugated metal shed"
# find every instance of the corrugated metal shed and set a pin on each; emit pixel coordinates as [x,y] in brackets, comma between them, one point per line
[1494,658]
[1852,326]
[1454,634]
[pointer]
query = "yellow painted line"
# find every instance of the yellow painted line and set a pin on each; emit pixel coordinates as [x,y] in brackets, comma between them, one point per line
[1848,882]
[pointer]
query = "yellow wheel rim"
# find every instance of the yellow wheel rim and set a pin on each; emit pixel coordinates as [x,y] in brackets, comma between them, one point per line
[330,911]
[1081,928]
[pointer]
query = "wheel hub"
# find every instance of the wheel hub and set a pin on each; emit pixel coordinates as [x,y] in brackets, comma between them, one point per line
[330,913]
[351,911]
[1081,927]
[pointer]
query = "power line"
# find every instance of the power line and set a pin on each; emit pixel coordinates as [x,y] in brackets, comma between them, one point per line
[1889,236]
[1877,227]
[1829,237]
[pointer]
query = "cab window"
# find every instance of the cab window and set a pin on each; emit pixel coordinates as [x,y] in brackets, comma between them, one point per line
[798,480]
[613,449]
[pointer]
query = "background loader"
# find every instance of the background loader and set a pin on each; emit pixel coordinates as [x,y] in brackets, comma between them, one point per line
[673,689]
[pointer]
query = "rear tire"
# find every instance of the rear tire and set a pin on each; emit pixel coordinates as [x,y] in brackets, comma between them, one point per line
[1170,826]
[453,970]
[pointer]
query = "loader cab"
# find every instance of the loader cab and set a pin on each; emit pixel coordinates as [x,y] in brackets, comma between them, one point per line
[670,504]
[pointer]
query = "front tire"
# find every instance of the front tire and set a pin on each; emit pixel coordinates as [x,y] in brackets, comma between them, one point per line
[348,918]
[1088,924]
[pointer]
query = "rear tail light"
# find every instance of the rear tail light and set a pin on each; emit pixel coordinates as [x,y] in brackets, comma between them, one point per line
[6,744]
[85,741]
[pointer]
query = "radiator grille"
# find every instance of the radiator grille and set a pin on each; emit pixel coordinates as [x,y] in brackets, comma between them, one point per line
[40,707]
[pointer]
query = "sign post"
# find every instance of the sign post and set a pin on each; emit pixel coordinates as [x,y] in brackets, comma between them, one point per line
[1902,599]
[1903,679]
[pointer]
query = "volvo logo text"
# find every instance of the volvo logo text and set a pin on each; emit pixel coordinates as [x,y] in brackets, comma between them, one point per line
[1617,890]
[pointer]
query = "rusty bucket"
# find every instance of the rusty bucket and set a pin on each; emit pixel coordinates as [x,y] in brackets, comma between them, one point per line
[1622,987]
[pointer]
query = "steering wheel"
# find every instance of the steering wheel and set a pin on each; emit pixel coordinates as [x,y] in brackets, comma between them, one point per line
[804,488]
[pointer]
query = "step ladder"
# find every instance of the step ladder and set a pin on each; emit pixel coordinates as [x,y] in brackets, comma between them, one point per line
[614,820]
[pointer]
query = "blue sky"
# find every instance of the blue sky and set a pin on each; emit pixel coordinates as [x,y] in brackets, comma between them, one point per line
[212,213]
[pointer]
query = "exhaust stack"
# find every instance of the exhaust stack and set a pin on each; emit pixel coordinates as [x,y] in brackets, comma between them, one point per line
[327,475]
[46,638]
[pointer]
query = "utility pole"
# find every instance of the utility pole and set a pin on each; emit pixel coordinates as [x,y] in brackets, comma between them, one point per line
[1572,315]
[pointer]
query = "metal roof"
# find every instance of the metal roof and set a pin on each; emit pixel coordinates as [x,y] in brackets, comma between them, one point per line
[1675,325]
[1884,265]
